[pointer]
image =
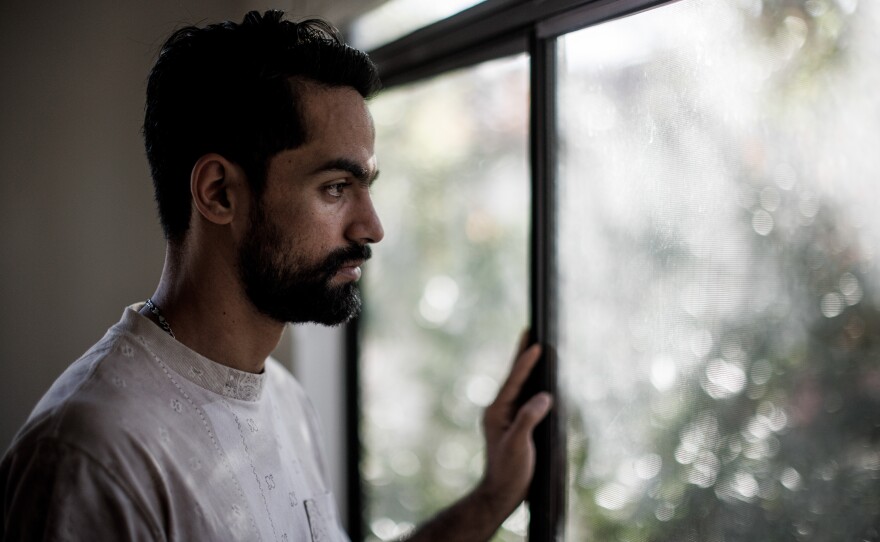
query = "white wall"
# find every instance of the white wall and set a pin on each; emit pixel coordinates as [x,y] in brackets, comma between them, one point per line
[318,362]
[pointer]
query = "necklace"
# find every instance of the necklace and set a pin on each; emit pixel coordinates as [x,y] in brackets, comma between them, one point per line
[163,323]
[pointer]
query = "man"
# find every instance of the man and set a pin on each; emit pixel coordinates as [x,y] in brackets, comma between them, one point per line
[177,425]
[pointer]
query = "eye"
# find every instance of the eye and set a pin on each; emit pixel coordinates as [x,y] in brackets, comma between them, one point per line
[336,189]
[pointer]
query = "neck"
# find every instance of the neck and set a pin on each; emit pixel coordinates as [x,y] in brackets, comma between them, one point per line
[210,314]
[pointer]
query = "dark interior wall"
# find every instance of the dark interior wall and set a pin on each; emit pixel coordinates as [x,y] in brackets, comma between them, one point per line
[78,232]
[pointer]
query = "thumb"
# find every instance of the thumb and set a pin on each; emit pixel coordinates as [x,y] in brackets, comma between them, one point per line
[531,413]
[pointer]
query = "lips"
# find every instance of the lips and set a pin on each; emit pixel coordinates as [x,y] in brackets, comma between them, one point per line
[346,262]
[350,270]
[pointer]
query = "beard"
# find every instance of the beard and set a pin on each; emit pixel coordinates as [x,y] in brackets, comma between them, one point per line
[287,288]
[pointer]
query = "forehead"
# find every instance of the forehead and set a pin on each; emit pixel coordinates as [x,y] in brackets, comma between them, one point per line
[338,129]
[330,113]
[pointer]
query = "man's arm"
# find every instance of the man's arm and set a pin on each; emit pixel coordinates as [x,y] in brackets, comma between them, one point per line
[510,462]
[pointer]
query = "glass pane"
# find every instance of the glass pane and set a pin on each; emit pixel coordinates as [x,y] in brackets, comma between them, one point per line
[397,18]
[446,292]
[719,281]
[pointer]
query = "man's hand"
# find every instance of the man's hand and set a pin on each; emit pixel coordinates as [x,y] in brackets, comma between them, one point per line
[510,461]
[510,451]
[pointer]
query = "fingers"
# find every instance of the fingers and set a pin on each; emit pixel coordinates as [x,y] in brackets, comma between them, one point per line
[531,414]
[522,367]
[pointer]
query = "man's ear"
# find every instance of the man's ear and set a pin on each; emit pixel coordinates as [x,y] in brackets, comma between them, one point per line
[219,188]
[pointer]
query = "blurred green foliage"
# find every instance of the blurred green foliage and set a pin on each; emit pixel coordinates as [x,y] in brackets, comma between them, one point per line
[446,292]
[772,432]
[720,349]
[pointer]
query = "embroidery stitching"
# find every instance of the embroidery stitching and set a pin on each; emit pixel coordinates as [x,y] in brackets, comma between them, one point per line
[207,426]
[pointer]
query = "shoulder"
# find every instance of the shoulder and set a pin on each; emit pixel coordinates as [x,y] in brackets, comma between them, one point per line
[83,447]
[52,487]
[96,393]
[99,407]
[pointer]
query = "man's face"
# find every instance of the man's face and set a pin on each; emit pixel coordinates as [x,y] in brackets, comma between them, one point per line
[309,233]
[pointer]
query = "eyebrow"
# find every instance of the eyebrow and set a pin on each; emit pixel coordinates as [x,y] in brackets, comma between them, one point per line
[356,170]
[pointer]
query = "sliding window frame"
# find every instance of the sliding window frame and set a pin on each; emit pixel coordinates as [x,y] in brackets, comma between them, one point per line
[546,498]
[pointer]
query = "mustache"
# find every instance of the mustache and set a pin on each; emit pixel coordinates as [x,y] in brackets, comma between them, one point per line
[344,255]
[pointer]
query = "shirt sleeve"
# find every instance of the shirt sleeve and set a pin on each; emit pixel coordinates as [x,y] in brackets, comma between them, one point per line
[54,491]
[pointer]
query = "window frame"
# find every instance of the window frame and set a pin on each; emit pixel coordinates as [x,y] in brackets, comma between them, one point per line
[490,30]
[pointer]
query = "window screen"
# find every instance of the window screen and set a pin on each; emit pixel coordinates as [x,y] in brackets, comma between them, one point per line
[718,279]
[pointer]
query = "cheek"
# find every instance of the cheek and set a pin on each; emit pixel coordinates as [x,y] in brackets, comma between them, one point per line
[325,223]
[314,234]
[311,226]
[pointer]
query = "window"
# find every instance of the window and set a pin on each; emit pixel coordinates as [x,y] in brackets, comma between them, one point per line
[447,293]
[715,250]
[396,18]
[702,264]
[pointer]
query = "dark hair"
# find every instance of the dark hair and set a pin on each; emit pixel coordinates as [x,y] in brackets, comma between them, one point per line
[225,88]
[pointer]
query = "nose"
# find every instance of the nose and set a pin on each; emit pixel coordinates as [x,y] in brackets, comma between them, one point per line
[365,226]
